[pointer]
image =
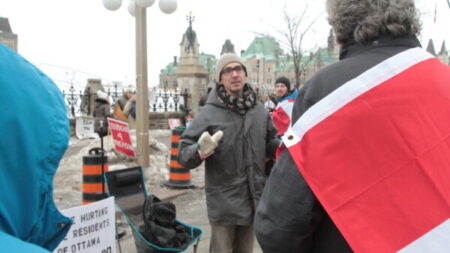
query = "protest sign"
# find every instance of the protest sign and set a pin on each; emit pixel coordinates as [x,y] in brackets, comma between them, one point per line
[121,137]
[93,229]
[84,128]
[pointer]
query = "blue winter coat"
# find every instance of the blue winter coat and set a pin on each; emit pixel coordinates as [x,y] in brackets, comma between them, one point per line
[33,137]
[292,95]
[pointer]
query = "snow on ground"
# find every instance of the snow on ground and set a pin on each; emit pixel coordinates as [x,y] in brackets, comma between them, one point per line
[68,178]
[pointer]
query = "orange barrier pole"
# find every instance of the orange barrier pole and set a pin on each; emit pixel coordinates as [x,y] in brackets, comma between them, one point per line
[93,185]
[179,177]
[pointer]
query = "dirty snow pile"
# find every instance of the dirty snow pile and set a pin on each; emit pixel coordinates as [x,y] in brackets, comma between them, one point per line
[68,178]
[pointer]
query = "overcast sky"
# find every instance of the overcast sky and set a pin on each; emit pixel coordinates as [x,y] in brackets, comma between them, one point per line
[76,39]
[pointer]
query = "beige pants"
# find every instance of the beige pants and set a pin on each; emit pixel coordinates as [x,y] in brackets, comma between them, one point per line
[232,239]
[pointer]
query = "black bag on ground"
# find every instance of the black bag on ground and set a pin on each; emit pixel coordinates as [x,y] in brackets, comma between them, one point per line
[160,225]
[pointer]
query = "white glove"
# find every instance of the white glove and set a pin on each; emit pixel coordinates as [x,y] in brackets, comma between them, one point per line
[207,143]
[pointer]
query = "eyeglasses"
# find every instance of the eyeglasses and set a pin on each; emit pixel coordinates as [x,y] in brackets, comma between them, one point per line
[229,70]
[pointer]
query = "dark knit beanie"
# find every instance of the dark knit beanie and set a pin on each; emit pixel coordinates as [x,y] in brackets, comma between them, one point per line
[284,81]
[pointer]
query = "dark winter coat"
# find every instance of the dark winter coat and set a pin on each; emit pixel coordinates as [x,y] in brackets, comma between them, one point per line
[289,218]
[234,174]
[102,111]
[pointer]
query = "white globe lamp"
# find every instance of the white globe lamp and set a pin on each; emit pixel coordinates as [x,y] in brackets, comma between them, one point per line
[132,8]
[112,5]
[168,6]
[145,3]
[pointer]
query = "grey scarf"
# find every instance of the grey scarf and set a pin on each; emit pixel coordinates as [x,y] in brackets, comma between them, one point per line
[240,105]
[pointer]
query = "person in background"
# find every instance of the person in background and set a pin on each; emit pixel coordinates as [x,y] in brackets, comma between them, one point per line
[204,97]
[34,130]
[281,114]
[102,111]
[383,109]
[130,112]
[234,164]
[268,102]
[120,105]
[283,89]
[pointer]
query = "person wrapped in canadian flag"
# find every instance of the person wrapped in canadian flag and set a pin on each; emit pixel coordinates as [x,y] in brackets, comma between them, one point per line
[367,161]
[281,115]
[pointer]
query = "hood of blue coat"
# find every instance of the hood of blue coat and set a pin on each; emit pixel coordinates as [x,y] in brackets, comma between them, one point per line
[34,134]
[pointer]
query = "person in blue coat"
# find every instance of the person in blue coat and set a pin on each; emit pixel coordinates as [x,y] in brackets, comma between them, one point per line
[34,134]
[283,89]
[281,114]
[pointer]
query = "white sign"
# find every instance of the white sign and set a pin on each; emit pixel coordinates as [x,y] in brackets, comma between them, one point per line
[84,128]
[93,229]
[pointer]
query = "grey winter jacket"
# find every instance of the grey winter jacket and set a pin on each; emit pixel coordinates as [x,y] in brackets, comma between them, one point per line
[234,174]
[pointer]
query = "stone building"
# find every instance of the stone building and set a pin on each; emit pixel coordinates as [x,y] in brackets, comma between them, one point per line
[443,53]
[227,47]
[192,72]
[7,36]
[264,58]
[266,61]
[90,94]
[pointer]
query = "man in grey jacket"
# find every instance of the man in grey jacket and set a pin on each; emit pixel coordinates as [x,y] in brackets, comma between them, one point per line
[242,137]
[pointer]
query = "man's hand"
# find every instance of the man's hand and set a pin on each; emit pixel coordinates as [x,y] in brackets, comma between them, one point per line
[207,144]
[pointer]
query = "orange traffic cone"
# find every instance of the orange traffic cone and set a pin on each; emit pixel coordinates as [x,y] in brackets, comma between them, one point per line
[93,183]
[179,177]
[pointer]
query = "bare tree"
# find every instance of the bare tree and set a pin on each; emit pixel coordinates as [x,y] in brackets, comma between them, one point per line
[292,38]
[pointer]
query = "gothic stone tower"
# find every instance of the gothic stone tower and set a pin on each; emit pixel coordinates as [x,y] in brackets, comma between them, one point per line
[191,75]
[6,34]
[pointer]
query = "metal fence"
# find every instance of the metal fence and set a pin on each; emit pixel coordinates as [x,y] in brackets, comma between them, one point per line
[79,102]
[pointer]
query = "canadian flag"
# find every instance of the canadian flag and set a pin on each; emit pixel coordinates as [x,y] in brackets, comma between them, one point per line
[376,153]
[281,115]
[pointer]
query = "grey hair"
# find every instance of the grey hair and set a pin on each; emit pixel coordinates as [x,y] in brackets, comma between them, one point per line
[365,20]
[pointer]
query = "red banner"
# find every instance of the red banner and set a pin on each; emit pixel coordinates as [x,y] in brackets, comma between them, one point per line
[376,153]
[281,115]
[121,137]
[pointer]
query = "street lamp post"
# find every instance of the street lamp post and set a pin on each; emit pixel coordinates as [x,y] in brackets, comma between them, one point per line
[138,9]
[142,120]
[257,74]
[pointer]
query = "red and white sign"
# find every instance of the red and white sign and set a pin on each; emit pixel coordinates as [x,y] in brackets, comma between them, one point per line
[376,153]
[174,123]
[121,136]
